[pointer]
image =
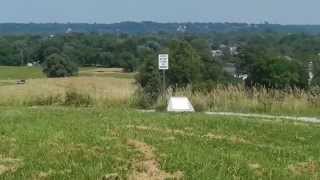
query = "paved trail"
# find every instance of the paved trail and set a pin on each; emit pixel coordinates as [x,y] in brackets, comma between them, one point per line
[292,118]
[303,119]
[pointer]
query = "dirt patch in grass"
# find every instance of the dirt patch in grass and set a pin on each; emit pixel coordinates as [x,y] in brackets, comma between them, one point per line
[232,139]
[257,169]
[170,138]
[147,167]
[58,147]
[305,168]
[7,140]
[161,130]
[46,175]
[10,144]
[186,132]
[9,165]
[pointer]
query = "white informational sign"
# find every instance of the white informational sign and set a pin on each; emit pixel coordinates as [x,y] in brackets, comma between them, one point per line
[180,104]
[163,61]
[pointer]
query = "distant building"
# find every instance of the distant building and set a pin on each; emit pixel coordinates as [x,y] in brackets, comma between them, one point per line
[217,53]
[231,69]
[33,64]
[233,50]
[68,31]
[182,28]
[223,46]
[242,76]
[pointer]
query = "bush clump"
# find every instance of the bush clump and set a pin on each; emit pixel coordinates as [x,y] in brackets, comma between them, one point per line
[75,98]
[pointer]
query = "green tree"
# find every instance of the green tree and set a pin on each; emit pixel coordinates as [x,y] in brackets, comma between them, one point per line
[148,78]
[184,65]
[211,70]
[21,45]
[128,62]
[57,65]
[316,73]
[278,73]
[51,50]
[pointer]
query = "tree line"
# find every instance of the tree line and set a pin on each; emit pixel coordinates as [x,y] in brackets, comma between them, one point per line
[272,60]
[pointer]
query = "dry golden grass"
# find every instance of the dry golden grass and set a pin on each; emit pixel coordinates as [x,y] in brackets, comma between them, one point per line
[112,87]
[239,99]
[99,88]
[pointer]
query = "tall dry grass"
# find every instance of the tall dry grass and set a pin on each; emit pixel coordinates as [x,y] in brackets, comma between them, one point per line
[239,99]
[108,91]
[102,91]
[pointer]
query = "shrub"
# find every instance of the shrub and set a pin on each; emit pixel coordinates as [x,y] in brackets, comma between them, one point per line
[149,81]
[161,104]
[44,100]
[75,98]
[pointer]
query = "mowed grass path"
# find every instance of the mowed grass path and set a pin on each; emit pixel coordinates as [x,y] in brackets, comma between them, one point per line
[88,143]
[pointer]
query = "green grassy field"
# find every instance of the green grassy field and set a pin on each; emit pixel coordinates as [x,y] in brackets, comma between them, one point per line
[17,72]
[89,143]
[14,73]
[61,142]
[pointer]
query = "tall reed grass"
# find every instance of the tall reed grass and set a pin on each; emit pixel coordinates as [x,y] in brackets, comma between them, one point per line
[240,99]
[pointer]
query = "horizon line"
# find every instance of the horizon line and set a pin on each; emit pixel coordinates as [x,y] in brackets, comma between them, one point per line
[159,22]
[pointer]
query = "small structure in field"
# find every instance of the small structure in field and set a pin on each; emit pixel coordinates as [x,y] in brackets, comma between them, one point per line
[180,104]
[23,81]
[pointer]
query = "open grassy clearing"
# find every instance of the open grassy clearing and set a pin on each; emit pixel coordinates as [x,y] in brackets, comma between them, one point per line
[113,86]
[88,143]
[16,72]
[23,72]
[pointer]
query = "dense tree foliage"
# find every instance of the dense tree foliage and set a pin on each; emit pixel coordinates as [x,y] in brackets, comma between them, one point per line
[316,72]
[211,68]
[149,78]
[59,66]
[185,65]
[277,73]
[275,61]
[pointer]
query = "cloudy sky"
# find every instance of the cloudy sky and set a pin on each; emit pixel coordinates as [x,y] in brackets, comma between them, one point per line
[109,11]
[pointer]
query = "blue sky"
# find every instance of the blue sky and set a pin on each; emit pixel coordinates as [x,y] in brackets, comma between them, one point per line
[109,11]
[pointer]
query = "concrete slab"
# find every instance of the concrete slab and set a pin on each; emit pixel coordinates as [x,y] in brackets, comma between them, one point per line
[179,104]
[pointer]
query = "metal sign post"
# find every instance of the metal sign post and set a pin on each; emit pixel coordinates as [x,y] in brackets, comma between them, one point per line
[163,65]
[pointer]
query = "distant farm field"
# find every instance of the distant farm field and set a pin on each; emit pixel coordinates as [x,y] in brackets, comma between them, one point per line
[90,143]
[16,72]
[38,91]
[106,72]
[102,85]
